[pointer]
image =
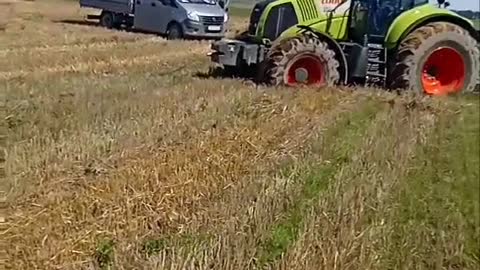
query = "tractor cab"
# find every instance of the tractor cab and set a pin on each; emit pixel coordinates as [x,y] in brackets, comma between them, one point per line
[374,17]
[362,41]
[270,18]
[407,44]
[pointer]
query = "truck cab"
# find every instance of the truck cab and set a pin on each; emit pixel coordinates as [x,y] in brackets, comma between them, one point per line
[181,18]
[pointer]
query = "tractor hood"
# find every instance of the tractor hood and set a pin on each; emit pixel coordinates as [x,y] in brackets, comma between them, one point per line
[337,7]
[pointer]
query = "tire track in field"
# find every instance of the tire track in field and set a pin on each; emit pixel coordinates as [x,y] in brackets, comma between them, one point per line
[299,142]
[437,198]
[163,193]
[99,67]
[251,209]
[342,228]
[176,96]
[170,107]
[235,249]
[101,44]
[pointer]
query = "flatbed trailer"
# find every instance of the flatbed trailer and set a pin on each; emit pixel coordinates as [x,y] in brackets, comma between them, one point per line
[175,18]
[114,13]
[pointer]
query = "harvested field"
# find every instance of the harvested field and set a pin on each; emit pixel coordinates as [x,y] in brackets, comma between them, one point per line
[124,153]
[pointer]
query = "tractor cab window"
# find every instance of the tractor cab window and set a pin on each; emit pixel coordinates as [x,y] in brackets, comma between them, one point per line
[409,4]
[257,12]
[384,12]
[420,2]
[374,17]
[406,4]
[279,19]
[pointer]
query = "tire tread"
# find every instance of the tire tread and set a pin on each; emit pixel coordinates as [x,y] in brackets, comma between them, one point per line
[407,56]
[282,51]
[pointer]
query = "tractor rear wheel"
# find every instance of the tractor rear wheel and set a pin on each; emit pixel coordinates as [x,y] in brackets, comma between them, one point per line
[302,60]
[439,58]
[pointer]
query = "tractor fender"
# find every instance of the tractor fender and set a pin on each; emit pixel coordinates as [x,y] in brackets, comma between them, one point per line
[332,43]
[415,18]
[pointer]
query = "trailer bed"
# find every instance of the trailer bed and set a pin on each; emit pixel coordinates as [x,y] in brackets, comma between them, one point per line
[117,6]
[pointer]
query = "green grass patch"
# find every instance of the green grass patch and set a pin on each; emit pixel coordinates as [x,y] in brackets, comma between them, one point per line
[436,223]
[345,137]
[104,253]
[154,245]
[242,12]
[285,232]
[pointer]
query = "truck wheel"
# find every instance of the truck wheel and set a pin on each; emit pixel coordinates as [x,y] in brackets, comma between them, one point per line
[302,60]
[174,31]
[437,59]
[107,19]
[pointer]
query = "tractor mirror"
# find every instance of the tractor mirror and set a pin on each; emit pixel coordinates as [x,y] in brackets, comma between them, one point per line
[447,4]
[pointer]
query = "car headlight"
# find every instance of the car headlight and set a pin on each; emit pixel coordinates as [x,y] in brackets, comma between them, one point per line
[225,17]
[192,15]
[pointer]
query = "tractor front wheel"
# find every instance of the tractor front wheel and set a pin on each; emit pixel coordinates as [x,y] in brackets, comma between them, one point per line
[439,58]
[303,60]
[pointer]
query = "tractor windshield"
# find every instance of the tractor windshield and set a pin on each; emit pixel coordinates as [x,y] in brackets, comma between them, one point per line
[385,11]
[408,4]
[255,15]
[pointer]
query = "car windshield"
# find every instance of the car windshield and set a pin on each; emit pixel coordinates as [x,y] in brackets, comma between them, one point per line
[207,2]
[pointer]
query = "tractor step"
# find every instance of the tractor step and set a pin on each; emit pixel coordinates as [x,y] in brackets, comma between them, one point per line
[377,65]
[375,61]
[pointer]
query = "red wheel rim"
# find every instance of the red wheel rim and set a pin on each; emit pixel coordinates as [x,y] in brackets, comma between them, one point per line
[443,72]
[305,69]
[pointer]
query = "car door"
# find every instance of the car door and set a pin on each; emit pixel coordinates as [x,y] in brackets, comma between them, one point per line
[143,14]
[153,15]
[163,14]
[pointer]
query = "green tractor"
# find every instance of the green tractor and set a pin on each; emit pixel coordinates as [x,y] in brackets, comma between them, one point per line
[395,44]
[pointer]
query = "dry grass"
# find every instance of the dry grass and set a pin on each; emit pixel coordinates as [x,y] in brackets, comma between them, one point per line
[123,154]
[5,14]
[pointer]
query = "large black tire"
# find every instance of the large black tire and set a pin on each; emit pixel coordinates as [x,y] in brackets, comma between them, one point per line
[284,53]
[107,19]
[174,31]
[417,49]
